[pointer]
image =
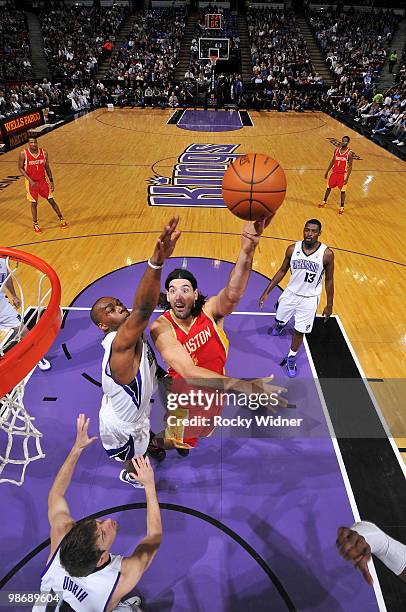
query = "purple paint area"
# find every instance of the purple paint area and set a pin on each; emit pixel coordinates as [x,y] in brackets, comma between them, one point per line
[210,121]
[285,496]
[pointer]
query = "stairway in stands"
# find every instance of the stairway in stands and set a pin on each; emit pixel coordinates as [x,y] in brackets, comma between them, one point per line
[315,54]
[398,43]
[184,54]
[245,48]
[120,39]
[38,58]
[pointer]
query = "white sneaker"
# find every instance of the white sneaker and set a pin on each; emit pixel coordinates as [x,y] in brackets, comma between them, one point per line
[401,144]
[395,141]
[132,603]
[44,364]
[125,477]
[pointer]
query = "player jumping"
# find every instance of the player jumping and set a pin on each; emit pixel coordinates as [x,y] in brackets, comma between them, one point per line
[129,370]
[342,168]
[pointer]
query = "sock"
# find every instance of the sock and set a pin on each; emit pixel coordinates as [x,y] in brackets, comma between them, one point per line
[292,353]
[391,552]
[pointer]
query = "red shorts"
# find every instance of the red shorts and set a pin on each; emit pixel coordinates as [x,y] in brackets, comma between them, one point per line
[337,180]
[42,188]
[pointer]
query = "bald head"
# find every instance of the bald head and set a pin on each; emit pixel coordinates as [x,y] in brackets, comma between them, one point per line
[108,313]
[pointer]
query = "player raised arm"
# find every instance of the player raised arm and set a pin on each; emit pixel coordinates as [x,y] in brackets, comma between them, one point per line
[223,304]
[278,276]
[59,515]
[122,360]
[328,262]
[134,566]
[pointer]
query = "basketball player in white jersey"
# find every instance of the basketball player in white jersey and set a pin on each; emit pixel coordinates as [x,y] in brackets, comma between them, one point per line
[80,565]
[9,317]
[129,369]
[365,539]
[309,260]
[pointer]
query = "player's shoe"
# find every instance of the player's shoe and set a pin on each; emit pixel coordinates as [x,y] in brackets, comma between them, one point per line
[277,330]
[37,228]
[132,603]
[183,452]
[125,477]
[63,224]
[322,204]
[291,367]
[44,364]
[341,211]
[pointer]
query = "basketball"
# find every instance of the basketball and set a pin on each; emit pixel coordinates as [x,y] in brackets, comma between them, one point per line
[254,186]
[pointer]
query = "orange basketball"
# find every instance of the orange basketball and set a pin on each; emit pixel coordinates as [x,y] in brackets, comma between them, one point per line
[254,186]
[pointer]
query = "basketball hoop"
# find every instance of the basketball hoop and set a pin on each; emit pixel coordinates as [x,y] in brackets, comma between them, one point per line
[213,60]
[19,356]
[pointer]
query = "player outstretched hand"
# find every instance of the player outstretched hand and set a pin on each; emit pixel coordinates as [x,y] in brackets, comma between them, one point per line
[353,547]
[143,471]
[252,232]
[327,313]
[166,242]
[82,439]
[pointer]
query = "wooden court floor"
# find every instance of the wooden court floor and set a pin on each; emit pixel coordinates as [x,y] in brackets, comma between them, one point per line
[101,165]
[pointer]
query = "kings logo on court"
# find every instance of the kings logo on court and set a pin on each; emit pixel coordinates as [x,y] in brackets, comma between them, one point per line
[196,178]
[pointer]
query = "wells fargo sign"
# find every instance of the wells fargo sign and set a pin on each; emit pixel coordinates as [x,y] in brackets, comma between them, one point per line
[15,130]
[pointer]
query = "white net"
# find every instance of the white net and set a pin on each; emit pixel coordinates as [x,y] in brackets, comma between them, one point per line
[20,440]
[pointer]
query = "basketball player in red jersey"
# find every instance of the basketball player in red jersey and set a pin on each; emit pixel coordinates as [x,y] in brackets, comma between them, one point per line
[342,168]
[190,333]
[33,163]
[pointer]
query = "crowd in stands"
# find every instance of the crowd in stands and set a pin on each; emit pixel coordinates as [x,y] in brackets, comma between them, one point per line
[77,37]
[356,45]
[15,55]
[149,55]
[24,97]
[278,51]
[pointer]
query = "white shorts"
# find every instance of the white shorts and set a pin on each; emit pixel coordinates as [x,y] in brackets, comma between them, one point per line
[9,317]
[122,440]
[302,308]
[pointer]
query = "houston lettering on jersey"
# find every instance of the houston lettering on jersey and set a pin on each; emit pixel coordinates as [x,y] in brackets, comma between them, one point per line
[341,160]
[196,178]
[198,340]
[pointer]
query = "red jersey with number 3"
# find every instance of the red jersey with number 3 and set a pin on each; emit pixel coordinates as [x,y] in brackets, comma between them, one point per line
[205,342]
[341,161]
[34,165]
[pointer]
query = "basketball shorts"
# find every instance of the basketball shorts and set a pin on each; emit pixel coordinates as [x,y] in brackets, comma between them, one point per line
[302,308]
[337,180]
[9,317]
[123,440]
[42,189]
[185,425]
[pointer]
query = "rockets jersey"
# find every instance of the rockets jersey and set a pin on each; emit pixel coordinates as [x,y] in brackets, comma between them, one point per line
[341,161]
[87,594]
[205,342]
[130,403]
[306,271]
[34,165]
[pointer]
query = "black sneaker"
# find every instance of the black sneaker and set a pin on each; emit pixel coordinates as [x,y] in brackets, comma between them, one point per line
[183,452]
